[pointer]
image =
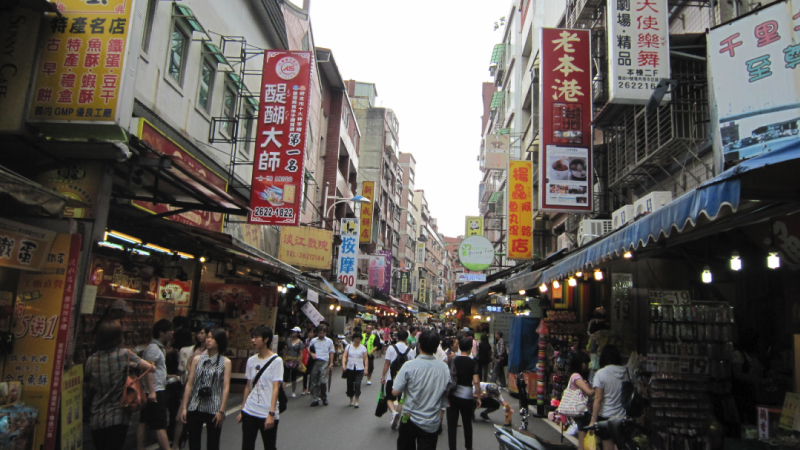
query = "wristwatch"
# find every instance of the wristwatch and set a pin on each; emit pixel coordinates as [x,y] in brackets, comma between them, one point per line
[271,413]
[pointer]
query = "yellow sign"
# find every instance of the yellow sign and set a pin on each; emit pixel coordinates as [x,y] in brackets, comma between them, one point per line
[520,210]
[790,415]
[422,291]
[306,247]
[474,226]
[79,181]
[82,62]
[368,191]
[23,246]
[71,409]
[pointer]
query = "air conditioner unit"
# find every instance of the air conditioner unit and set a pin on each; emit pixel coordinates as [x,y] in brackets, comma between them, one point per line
[652,202]
[564,242]
[588,230]
[622,216]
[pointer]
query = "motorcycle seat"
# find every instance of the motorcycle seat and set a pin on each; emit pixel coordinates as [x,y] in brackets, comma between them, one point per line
[535,441]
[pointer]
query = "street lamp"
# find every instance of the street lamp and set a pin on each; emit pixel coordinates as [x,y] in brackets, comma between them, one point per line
[339,200]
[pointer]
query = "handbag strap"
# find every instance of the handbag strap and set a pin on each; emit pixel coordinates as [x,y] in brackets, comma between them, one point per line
[258,376]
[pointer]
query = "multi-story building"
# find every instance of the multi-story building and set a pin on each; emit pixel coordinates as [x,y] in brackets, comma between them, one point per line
[451,245]
[409,217]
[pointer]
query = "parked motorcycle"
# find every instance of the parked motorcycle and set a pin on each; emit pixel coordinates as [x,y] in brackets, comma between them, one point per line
[511,439]
[621,431]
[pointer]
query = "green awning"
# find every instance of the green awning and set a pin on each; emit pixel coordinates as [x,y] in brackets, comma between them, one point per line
[504,131]
[496,196]
[498,53]
[186,14]
[215,52]
[237,81]
[497,100]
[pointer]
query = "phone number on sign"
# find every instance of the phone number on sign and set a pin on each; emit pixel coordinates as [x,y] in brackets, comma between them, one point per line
[262,211]
[635,85]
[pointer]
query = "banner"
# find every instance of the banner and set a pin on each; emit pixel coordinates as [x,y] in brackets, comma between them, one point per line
[377,272]
[422,297]
[279,160]
[311,312]
[496,151]
[638,42]
[348,255]
[520,213]
[747,59]
[565,158]
[405,282]
[474,226]
[72,409]
[368,191]
[420,253]
[387,271]
[24,246]
[82,62]
[470,277]
[41,327]
[306,247]
[408,299]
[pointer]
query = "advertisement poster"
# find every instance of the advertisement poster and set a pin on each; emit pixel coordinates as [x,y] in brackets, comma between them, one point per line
[306,247]
[82,62]
[25,247]
[79,181]
[175,291]
[40,328]
[496,151]
[72,409]
[565,162]
[387,271]
[348,255]
[368,191]
[279,160]
[520,210]
[311,312]
[473,226]
[638,42]
[377,271]
[750,57]
[112,280]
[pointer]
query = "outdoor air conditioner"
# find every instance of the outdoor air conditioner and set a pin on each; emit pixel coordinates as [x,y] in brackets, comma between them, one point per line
[564,242]
[652,202]
[588,230]
[622,216]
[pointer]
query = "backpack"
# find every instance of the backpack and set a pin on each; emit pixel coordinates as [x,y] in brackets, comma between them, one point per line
[398,362]
[133,396]
[632,400]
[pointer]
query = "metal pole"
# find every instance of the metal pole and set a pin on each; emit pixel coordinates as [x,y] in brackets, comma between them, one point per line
[325,204]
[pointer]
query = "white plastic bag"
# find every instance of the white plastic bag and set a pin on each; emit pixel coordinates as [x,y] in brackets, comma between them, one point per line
[573,429]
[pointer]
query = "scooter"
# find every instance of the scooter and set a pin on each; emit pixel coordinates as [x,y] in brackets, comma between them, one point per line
[511,439]
[620,431]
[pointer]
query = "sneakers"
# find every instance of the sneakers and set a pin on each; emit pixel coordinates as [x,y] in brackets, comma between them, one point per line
[305,392]
[369,383]
[395,420]
[351,402]
[293,396]
[325,402]
[355,405]
[315,403]
[485,417]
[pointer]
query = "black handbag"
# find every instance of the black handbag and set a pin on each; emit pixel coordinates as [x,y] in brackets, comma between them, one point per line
[382,406]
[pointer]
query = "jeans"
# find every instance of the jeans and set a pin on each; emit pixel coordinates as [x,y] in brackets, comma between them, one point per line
[307,373]
[251,426]
[319,380]
[499,374]
[467,410]
[354,383]
[109,438]
[194,425]
[412,437]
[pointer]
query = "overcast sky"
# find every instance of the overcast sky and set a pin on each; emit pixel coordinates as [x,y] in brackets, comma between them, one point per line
[428,59]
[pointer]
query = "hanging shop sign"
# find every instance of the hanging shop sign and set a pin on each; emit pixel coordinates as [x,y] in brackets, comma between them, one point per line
[252,235]
[24,246]
[348,255]
[376,270]
[40,326]
[494,224]
[306,247]
[408,299]
[82,62]
[18,40]
[405,282]
[520,210]
[311,312]
[387,271]
[165,146]
[473,226]
[368,191]
[79,181]
[278,165]
[176,292]
[113,280]
[423,291]
[638,40]
[470,277]
[565,161]
[476,253]
[420,253]
[749,57]
[496,151]
[72,408]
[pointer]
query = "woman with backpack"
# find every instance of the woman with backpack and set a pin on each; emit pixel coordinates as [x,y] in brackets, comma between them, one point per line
[260,408]
[106,371]
[354,361]
[206,392]
[608,386]
[465,389]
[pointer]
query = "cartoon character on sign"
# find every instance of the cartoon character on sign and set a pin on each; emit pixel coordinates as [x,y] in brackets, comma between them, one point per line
[473,226]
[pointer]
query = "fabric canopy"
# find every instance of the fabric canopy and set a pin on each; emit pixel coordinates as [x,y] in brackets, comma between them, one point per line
[344,302]
[27,192]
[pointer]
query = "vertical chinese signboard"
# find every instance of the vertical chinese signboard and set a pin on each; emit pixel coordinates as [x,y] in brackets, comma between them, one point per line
[82,62]
[638,42]
[72,409]
[474,225]
[278,165]
[495,155]
[348,255]
[41,326]
[754,63]
[565,161]
[422,298]
[405,283]
[520,211]
[387,271]
[368,191]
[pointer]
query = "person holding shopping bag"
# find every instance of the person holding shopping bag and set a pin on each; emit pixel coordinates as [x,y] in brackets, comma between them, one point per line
[354,361]
[206,392]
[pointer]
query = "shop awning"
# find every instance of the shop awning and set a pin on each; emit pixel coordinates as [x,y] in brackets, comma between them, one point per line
[718,197]
[524,281]
[344,302]
[28,192]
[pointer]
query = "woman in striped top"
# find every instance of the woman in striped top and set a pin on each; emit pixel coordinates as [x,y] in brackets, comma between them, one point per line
[206,392]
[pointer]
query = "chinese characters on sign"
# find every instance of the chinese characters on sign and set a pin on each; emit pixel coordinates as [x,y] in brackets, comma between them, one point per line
[423,291]
[565,162]
[348,255]
[473,226]
[496,151]
[81,68]
[520,210]
[72,408]
[306,247]
[387,269]
[278,164]
[757,58]
[638,42]
[368,191]
[23,246]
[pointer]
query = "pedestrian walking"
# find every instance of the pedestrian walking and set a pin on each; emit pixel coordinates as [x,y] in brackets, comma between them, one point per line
[396,356]
[292,358]
[463,396]
[372,342]
[260,408]
[323,352]
[106,371]
[607,385]
[484,357]
[206,393]
[154,414]
[185,358]
[424,382]
[354,362]
[500,360]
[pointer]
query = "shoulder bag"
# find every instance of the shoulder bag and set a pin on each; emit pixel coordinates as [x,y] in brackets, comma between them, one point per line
[573,403]
[283,401]
[133,396]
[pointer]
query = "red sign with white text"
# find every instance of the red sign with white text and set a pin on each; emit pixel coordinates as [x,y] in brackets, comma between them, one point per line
[278,166]
[565,156]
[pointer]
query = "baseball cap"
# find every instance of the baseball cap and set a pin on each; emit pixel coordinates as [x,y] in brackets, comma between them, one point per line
[297,329]
[465,330]
[121,304]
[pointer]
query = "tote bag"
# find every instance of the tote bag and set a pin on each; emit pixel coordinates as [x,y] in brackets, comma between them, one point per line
[573,403]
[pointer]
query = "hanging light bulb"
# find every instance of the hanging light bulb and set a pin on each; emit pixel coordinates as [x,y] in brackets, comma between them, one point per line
[736,261]
[627,255]
[338,308]
[706,276]
[578,274]
[543,288]
[598,274]
[773,260]
[572,281]
[556,284]
[331,307]
[202,259]
[522,292]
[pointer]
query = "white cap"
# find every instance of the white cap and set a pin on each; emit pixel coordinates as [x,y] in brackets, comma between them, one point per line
[121,304]
[297,329]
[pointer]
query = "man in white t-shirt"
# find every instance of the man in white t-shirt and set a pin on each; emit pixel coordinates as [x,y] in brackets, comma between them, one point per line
[323,351]
[386,378]
[260,406]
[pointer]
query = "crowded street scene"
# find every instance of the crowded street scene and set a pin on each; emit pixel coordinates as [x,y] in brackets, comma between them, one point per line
[336,224]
